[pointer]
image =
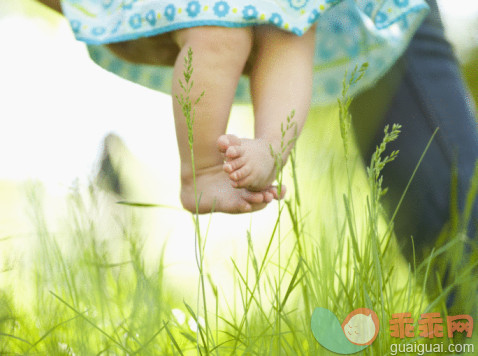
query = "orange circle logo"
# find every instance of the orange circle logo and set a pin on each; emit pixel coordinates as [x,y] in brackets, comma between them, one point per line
[361,326]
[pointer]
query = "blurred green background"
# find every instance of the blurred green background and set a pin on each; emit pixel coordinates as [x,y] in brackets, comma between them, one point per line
[56,109]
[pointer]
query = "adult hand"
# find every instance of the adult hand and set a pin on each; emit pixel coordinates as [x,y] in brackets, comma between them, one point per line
[155,50]
[52,4]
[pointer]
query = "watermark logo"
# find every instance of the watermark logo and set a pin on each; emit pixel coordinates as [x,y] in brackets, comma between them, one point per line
[356,333]
[430,325]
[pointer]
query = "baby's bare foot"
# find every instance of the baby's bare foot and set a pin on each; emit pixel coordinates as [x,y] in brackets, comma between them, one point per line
[216,194]
[249,164]
[226,141]
[270,192]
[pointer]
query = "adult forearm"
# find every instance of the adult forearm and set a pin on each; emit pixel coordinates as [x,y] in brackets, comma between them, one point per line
[53,4]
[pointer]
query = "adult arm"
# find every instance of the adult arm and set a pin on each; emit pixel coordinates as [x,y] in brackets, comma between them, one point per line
[52,4]
[140,51]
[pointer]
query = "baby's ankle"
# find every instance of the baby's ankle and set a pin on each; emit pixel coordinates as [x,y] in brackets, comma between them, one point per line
[188,198]
[192,187]
[187,178]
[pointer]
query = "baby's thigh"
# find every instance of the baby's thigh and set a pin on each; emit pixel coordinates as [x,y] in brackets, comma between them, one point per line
[216,40]
[155,50]
[230,43]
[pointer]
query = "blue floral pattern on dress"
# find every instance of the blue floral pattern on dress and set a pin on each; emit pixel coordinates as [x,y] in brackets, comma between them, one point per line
[75,26]
[170,12]
[249,12]
[276,19]
[107,3]
[116,27]
[380,18]
[128,4]
[348,32]
[151,17]
[135,21]
[221,8]
[298,4]
[193,9]
[401,3]
[98,31]
[368,10]
[314,15]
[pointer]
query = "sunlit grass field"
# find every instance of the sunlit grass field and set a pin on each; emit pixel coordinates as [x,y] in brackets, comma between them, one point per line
[81,274]
[86,280]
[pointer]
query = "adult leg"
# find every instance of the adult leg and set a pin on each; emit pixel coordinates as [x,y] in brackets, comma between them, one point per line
[430,95]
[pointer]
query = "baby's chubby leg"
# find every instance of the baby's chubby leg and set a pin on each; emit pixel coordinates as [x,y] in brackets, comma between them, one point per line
[219,56]
[281,81]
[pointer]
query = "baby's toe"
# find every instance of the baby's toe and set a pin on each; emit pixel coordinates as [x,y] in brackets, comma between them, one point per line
[241,173]
[231,166]
[248,208]
[253,197]
[274,190]
[245,207]
[268,196]
[225,141]
[234,152]
[248,183]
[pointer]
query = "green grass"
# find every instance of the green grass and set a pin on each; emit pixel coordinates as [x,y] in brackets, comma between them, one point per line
[88,289]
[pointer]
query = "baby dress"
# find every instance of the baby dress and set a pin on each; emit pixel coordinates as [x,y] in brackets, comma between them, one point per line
[349,33]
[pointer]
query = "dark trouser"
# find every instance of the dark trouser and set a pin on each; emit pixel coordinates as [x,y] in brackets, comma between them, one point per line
[422,92]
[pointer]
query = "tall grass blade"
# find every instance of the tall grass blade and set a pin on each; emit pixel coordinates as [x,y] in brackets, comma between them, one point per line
[173,340]
[91,323]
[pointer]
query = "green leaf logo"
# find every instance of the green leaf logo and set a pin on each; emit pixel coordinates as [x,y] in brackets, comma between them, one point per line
[356,333]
